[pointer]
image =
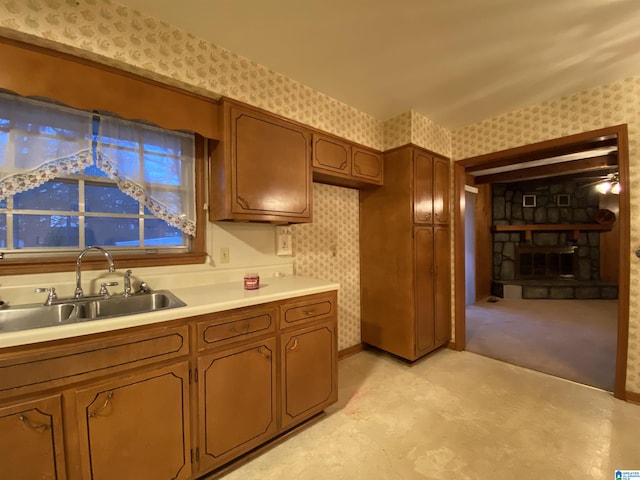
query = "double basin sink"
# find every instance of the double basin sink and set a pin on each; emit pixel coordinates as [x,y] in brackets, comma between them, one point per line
[75,310]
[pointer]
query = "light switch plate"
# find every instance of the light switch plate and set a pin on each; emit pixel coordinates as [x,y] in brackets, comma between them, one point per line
[284,240]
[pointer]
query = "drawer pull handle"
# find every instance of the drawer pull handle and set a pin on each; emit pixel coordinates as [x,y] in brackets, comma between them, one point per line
[38,428]
[311,311]
[104,405]
[294,346]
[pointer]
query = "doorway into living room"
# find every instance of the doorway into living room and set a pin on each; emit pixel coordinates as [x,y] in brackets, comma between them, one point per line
[551,282]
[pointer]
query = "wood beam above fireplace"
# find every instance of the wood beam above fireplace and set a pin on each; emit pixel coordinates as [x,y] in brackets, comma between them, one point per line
[574,229]
[583,167]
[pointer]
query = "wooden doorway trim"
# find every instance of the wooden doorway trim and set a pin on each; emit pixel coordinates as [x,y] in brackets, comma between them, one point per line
[530,153]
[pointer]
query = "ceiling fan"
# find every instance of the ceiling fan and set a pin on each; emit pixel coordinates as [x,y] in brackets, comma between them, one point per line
[609,183]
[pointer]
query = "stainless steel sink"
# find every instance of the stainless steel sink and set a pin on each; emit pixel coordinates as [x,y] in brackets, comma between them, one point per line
[118,306]
[25,317]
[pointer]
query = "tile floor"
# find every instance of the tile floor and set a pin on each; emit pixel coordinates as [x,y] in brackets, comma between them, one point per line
[457,415]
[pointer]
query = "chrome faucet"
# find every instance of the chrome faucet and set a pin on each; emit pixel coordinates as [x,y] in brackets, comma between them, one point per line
[112,268]
[127,283]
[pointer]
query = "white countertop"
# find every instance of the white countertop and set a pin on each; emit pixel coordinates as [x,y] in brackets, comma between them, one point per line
[201,299]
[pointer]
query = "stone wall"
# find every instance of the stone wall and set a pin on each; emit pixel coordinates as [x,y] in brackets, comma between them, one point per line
[508,209]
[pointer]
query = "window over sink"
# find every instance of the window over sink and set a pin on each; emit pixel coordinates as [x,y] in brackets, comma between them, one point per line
[71,178]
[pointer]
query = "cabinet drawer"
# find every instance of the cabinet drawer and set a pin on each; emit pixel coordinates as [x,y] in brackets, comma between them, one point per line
[223,329]
[47,367]
[307,309]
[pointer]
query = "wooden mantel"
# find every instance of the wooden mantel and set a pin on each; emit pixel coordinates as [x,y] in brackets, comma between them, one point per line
[574,229]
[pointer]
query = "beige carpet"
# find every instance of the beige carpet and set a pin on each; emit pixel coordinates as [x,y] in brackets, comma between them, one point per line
[572,339]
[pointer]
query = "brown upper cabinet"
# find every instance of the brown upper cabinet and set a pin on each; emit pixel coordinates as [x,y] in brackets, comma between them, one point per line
[339,162]
[431,178]
[261,168]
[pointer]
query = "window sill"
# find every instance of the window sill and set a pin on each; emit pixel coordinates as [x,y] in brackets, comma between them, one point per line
[68,264]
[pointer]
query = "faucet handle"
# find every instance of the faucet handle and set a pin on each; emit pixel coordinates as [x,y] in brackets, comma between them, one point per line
[51,291]
[103,288]
[127,283]
[144,288]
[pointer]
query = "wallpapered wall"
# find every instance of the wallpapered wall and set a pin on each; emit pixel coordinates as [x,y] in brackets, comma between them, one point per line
[116,35]
[328,248]
[110,33]
[411,127]
[605,106]
[113,34]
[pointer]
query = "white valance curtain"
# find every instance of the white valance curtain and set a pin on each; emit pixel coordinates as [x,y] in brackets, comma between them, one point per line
[152,165]
[40,141]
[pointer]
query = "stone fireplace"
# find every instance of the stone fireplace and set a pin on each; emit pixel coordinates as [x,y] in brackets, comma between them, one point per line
[547,263]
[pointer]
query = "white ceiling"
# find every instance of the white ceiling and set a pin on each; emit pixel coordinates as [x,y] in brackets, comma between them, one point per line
[453,61]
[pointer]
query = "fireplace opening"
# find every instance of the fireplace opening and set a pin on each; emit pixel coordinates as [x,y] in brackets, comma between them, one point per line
[550,263]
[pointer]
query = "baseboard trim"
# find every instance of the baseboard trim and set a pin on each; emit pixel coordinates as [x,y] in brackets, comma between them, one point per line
[347,352]
[632,397]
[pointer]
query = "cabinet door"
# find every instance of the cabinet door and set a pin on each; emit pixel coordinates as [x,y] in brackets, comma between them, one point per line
[331,155]
[136,426]
[424,285]
[367,165]
[440,190]
[237,401]
[271,168]
[309,372]
[422,188]
[31,440]
[442,284]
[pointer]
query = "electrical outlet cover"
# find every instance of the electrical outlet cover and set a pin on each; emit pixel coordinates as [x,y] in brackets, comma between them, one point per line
[284,240]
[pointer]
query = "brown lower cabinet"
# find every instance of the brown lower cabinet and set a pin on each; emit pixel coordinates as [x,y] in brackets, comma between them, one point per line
[237,396]
[308,382]
[145,415]
[31,442]
[176,401]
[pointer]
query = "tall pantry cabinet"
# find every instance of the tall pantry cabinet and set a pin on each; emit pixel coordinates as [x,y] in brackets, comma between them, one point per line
[405,255]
